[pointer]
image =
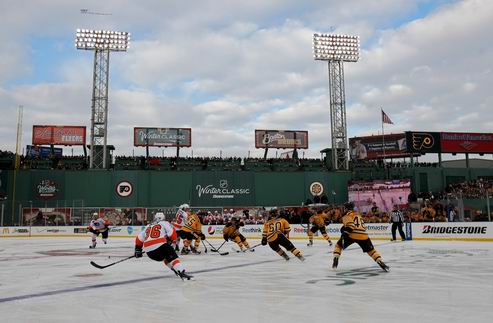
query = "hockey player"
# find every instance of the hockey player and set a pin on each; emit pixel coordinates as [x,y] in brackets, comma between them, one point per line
[276,234]
[318,224]
[231,231]
[98,225]
[354,231]
[180,219]
[192,230]
[155,240]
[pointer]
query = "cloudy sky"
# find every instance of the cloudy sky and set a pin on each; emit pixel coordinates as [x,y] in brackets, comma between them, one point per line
[225,68]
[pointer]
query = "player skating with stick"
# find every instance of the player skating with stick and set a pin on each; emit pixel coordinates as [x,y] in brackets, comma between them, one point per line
[354,231]
[276,234]
[98,225]
[155,240]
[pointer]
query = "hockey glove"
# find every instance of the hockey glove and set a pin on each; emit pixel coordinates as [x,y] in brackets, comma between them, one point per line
[264,241]
[202,236]
[226,238]
[138,252]
[346,230]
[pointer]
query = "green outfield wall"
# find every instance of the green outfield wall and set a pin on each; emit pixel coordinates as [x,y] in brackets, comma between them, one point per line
[120,188]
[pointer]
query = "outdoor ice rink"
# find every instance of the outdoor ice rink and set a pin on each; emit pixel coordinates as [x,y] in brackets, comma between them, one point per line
[51,280]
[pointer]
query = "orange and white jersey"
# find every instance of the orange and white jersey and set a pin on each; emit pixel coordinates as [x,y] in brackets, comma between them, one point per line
[98,225]
[181,218]
[155,235]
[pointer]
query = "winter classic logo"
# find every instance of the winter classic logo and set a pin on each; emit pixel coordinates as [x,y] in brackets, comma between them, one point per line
[316,188]
[46,189]
[221,192]
[124,189]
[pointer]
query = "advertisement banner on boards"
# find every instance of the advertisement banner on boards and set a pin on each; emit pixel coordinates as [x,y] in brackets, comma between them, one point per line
[163,137]
[289,139]
[374,147]
[59,135]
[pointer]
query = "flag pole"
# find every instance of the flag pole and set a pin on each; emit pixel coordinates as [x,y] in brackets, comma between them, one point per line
[383,136]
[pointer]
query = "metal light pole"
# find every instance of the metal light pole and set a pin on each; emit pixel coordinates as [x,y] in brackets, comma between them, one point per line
[102,42]
[337,49]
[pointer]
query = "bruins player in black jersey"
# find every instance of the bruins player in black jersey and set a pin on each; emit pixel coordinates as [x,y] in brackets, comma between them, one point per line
[318,221]
[353,231]
[231,231]
[276,233]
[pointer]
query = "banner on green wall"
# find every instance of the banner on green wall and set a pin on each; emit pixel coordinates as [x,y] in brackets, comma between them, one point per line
[222,188]
[3,184]
[48,185]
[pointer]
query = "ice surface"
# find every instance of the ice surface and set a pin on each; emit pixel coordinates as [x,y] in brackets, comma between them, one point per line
[51,280]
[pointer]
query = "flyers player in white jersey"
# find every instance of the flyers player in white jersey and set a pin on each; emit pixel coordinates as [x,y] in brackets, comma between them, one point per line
[98,225]
[155,240]
[181,218]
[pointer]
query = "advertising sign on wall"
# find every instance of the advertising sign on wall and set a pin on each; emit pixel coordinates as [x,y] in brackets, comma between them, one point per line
[222,188]
[372,147]
[42,151]
[59,135]
[163,137]
[459,142]
[423,142]
[281,139]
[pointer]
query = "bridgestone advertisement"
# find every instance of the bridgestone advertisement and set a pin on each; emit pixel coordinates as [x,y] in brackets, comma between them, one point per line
[163,137]
[288,139]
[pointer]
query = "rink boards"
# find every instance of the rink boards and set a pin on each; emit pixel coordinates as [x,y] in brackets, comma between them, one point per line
[466,231]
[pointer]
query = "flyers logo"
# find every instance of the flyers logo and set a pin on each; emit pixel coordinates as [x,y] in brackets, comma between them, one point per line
[422,140]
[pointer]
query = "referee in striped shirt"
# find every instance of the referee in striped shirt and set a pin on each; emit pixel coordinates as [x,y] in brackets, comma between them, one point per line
[397,219]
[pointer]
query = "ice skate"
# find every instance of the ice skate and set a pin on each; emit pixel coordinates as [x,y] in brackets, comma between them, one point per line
[184,276]
[335,262]
[383,265]
[195,251]
[184,251]
[310,243]
[301,258]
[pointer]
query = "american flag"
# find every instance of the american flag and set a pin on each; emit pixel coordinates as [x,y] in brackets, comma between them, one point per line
[385,118]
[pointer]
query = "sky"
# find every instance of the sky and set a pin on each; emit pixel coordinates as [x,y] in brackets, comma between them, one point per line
[225,68]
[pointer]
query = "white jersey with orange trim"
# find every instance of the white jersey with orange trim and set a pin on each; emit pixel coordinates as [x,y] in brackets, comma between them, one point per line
[98,225]
[181,218]
[155,235]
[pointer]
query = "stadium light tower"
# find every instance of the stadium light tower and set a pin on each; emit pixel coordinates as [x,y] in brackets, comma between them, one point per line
[337,49]
[102,42]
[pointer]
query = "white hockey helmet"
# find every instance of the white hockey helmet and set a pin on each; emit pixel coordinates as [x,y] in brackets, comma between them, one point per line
[159,216]
[184,207]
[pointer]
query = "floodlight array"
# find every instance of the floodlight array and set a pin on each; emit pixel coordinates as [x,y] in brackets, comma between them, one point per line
[102,40]
[327,47]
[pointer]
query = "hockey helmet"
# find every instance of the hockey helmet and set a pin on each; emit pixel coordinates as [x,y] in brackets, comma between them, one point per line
[184,207]
[349,206]
[159,216]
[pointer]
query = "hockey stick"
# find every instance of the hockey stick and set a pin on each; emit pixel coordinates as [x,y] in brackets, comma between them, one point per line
[204,246]
[248,249]
[114,263]
[213,249]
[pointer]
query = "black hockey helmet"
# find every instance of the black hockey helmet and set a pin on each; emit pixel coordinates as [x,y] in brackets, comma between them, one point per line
[349,206]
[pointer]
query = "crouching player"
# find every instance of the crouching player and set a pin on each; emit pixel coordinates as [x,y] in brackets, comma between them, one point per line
[318,224]
[231,231]
[155,240]
[192,230]
[276,233]
[98,225]
[354,231]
